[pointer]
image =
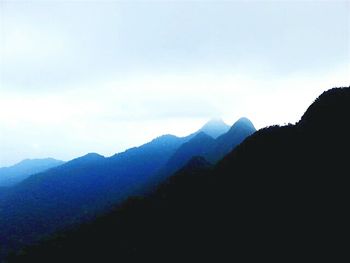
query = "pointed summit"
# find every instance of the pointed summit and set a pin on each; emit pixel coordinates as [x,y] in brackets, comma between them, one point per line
[243,122]
[215,128]
[239,131]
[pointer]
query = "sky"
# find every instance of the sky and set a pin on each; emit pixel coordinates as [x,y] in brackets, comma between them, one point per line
[102,76]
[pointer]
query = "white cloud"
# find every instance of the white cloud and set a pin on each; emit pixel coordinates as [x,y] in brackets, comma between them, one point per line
[81,76]
[118,114]
[25,42]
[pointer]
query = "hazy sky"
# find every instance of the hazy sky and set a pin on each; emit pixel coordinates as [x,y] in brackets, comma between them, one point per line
[101,76]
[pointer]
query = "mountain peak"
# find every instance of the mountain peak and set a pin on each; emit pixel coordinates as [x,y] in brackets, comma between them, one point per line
[93,155]
[243,121]
[89,157]
[215,127]
[214,122]
[165,137]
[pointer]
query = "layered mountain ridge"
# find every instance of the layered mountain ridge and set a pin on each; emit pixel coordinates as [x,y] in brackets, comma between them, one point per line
[280,195]
[211,149]
[82,188]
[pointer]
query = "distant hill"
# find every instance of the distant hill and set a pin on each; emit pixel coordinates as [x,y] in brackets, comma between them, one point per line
[12,175]
[215,128]
[281,195]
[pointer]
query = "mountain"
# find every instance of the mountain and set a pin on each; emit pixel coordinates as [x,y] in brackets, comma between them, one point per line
[201,144]
[80,189]
[12,175]
[225,143]
[281,195]
[214,128]
[148,158]
[195,164]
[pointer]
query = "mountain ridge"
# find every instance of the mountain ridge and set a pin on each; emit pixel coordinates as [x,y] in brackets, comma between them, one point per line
[88,185]
[14,174]
[279,195]
[202,144]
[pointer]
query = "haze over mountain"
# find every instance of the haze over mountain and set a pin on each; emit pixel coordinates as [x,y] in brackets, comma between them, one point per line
[14,174]
[280,195]
[226,142]
[85,81]
[215,128]
[83,187]
[212,149]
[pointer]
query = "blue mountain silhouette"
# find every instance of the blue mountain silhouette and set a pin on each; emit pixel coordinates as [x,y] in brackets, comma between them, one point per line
[15,174]
[280,195]
[201,144]
[81,188]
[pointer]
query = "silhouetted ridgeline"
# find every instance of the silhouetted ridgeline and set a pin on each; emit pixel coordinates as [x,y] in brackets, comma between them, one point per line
[201,144]
[281,195]
[79,190]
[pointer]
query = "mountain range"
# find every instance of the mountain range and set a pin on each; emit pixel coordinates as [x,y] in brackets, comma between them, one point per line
[78,190]
[280,195]
[206,146]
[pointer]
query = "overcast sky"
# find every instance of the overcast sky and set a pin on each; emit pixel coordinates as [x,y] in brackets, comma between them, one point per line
[102,76]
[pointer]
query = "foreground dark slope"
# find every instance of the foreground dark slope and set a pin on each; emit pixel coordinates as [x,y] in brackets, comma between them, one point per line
[280,195]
